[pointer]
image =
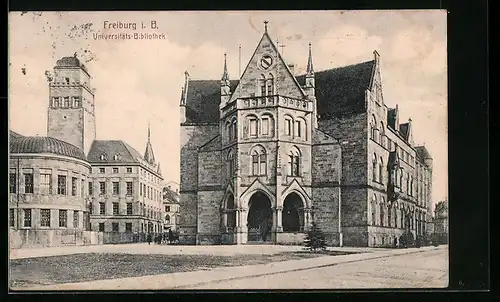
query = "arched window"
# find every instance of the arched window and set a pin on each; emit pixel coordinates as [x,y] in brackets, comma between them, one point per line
[55,102]
[229,130]
[104,156]
[116,157]
[402,217]
[262,85]
[389,215]
[382,134]
[259,161]
[300,128]
[288,125]
[401,173]
[294,162]
[167,219]
[381,170]
[235,129]
[408,189]
[374,210]
[270,85]
[395,216]
[411,185]
[382,213]
[374,168]
[253,125]
[374,130]
[231,163]
[231,213]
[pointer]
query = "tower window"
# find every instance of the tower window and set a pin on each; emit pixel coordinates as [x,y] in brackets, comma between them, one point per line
[288,127]
[265,126]
[76,102]
[253,127]
[294,163]
[66,101]
[55,102]
[67,80]
[298,126]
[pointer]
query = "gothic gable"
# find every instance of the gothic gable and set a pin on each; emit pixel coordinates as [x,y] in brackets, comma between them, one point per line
[266,62]
[296,188]
[256,186]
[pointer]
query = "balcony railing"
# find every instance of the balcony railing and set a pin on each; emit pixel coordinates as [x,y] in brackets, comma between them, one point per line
[273,100]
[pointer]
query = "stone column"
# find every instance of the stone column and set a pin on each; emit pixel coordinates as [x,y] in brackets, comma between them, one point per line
[279,220]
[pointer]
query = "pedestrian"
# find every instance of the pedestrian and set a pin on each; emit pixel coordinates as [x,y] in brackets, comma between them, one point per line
[149,238]
[170,236]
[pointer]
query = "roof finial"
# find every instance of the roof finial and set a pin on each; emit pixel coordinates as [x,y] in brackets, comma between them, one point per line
[265,25]
[225,75]
[310,69]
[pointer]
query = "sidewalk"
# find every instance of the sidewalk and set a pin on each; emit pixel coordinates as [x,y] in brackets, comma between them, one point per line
[144,248]
[189,279]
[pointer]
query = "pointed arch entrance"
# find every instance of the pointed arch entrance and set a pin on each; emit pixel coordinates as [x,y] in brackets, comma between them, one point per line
[260,218]
[293,213]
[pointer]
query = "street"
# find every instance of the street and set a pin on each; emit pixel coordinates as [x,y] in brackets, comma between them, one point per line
[428,269]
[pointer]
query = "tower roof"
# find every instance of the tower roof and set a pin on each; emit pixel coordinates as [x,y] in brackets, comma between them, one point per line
[225,75]
[310,69]
[70,62]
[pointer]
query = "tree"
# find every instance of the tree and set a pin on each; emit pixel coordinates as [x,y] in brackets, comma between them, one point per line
[315,238]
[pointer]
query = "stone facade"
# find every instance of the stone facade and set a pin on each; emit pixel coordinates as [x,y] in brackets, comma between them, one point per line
[264,156]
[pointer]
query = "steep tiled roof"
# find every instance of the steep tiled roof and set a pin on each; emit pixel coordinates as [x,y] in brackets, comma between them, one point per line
[202,102]
[341,91]
[423,153]
[41,144]
[110,148]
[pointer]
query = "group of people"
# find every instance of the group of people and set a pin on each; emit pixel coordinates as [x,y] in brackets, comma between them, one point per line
[162,238]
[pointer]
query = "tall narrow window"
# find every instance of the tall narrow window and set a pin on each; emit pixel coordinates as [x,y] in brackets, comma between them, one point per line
[63,218]
[55,102]
[45,181]
[76,102]
[401,179]
[263,164]
[114,226]
[45,217]
[27,218]
[102,208]
[73,186]
[374,210]
[91,189]
[255,163]
[128,227]
[288,127]
[12,182]
[102,188]
[11,217]
[116,208]
[374,168]
[61,184]
[263,86]
[270,86]
[298,126]
[382,214]
[408,190]
[374,129]
[265,126]
[381,170]
[76,219]
[294,162]
[235,130]
[129,208]
[116,188]
[253,127]
[129,188]
[389,216]
[82,188]
[66,101]
[28,183]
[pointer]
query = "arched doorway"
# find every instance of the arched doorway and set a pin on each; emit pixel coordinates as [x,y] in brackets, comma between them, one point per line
[293,213]
[260,218]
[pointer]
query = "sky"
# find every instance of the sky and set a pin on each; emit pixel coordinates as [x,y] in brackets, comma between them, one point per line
[139,81]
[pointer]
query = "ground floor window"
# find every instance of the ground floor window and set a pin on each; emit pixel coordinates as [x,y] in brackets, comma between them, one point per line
[114,226]
[27,218]
[101,227]
[128,227]
[11,217]
[45,217]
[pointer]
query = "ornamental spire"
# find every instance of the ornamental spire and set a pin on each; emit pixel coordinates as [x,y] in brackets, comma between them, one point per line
[310,69]
[225,75]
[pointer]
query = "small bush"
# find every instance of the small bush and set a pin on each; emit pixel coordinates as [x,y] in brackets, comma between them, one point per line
[315,239]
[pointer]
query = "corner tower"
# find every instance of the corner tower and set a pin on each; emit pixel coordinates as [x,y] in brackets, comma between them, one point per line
[71,113]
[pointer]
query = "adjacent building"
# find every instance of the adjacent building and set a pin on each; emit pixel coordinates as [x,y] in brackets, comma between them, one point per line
[264,156]
[441,218]
[171,207]
[70,180]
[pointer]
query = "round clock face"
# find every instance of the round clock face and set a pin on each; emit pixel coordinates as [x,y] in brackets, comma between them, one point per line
[266,61]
